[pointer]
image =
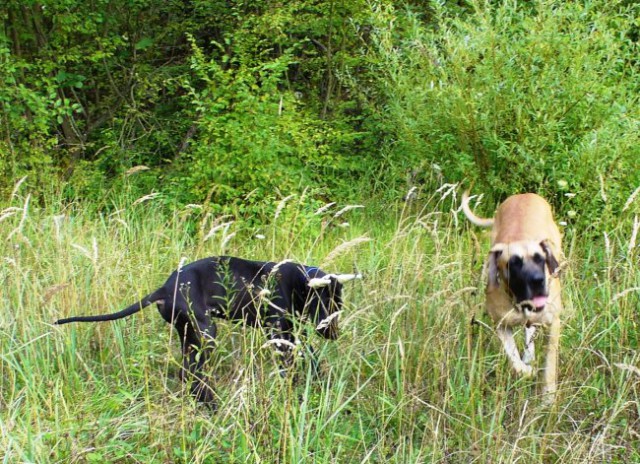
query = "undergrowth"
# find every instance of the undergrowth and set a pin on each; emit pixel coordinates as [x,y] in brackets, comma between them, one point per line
[409,379]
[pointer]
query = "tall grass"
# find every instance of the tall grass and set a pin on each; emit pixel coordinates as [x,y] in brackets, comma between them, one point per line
[409,379]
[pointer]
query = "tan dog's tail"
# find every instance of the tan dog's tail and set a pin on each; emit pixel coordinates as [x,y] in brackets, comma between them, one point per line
[482,222]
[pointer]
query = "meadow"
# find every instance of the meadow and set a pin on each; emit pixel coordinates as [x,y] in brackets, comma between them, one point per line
[409,380]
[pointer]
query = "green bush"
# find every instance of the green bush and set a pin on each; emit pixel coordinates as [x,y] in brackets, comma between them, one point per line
[269,112]
[513,97]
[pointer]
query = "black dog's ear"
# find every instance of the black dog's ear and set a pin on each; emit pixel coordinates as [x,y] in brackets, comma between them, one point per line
[492,266]
[552,262]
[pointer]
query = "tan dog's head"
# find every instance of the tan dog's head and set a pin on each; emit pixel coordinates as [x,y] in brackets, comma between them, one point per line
[522,269]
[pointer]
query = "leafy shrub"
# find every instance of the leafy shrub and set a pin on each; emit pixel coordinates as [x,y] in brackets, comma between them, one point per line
[269,109]
[539,97]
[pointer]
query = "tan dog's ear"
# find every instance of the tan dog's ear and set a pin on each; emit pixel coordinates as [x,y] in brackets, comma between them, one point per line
[492,265]
[552,262]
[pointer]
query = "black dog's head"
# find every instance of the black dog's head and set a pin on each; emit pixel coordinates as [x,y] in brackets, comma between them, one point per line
[324,300]
[523,267]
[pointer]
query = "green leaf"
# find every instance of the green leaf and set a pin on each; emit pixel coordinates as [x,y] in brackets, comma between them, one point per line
[94,457]
[143,43]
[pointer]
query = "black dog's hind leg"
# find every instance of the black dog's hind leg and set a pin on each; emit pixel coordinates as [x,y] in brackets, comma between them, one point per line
[197,336]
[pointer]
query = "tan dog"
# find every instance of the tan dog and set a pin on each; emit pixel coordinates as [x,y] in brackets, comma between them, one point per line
[522,284]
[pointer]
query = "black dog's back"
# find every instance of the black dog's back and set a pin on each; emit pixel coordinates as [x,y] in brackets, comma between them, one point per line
[234,288]
[208,281]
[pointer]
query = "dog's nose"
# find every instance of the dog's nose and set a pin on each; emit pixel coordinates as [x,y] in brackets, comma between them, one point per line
[537,281]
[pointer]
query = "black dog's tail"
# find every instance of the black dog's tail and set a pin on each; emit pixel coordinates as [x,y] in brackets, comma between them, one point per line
[128,311]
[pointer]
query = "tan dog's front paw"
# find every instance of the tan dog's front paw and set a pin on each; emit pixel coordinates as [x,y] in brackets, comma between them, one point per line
[528,357]
[523,369]
[549,393]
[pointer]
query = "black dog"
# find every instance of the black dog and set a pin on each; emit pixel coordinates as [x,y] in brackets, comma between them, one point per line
[262,294]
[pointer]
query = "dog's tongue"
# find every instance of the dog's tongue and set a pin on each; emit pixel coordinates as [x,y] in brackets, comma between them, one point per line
[539,301]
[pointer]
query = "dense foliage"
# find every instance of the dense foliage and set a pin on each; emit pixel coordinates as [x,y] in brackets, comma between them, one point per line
[235,102]
[137,134]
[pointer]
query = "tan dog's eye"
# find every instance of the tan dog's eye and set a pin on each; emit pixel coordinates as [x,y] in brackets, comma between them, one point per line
[538,258]
[515,261]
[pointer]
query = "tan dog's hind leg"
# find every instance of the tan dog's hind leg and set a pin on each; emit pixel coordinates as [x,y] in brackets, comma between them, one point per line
[529,347]
[551,362]
[505,334]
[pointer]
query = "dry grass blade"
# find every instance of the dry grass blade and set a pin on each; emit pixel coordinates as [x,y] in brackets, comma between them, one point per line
[347,208]
[224,227]
[23,219]
[631,198]
[281,205]
[628,367]
[8,212]
[148,197]
[17,187]
[624,293]
[324,209]
[52,291]
[634,234]
[344,248]
[136,169]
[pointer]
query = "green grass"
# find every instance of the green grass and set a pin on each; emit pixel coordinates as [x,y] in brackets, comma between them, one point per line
[409,380]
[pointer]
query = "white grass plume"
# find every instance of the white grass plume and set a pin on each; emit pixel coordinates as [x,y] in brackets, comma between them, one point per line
[276,268]
[8,212]
[57,223]
[634,234]
[278,342]
[14,192]
[446,190]
[150,196]
[603,194]
[344,248]
[224,227]
[136,169]
[324,209]
[282,204]
[327,320]
[319,282]
[227,239]
[23,219]
[411,194]
[628,368]
[631,199]
[91,255]
[347,208]
[624,293]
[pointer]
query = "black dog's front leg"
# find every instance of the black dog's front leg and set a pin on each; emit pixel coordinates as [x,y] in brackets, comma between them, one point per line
[288,347]
[308,355]
[283,341]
